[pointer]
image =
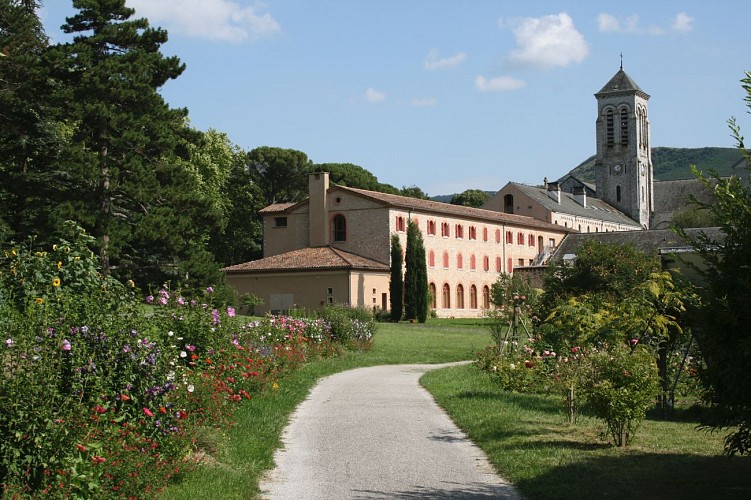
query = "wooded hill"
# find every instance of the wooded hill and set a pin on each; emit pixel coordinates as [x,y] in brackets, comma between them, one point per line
[675,163]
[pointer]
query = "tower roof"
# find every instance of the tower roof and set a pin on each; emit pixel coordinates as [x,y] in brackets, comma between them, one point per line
[621,82]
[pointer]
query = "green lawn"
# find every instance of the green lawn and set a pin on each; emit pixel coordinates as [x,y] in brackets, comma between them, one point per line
[525,436]
[530,442]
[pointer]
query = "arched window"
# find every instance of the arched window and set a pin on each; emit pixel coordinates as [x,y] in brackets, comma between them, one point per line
[472,262]
[446,298]
[519,238]
[497,235]
[473,297]
[485,234]
[531,240]
[610,127]
[486,263]
[510,265]
[445,229]
[459,261]
[340,228]
[445,260]
[485,297]
[624,126]
[498,264]
[509,237]
[459,231]
[431,258]
[459,297]
[400,223]
[433,297]
[472,233]
[508,204]
[431,227]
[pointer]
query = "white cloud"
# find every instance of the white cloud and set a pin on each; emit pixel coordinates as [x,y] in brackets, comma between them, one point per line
[498,84]
[546,42]
[608,23]
[222,20]
[421,103]
[683,22]
[373,95]
[433,61]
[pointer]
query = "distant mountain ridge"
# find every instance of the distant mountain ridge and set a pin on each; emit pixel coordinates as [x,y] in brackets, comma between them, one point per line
[675,163]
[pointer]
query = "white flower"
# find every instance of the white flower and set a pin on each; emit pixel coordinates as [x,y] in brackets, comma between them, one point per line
[512,366]
[183,354]
[191,388]
[170,333]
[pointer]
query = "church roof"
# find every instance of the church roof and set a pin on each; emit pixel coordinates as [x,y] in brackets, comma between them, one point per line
[674,196]
[621,82]
[326,258]
[595,209]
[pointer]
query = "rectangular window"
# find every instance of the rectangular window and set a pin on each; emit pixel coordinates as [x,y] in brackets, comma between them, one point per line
[329,291]
[280,222]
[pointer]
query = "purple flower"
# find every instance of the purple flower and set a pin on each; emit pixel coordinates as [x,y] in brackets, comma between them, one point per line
[210,290]
[66,345]
[149,299]
[190,347]
[181,301]
[231,312]
[215,315]
[163,301]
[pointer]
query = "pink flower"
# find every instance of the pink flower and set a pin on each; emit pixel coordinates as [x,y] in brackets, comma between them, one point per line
[633,342]
[181,301]
[215,315]
[66,345]
[209,290]
[149,299]
[148,412]
[575,349]
[231,312]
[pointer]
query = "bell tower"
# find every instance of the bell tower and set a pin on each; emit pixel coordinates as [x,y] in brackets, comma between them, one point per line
[623,162]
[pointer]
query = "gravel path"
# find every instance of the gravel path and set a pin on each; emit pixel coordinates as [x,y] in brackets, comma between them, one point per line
[376,433]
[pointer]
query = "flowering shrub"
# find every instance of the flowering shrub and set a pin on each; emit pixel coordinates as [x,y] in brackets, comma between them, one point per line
[349,325]
[622,385]
[100,399]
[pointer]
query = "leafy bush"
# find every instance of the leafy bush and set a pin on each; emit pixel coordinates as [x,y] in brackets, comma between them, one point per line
[622,385]
[354,325]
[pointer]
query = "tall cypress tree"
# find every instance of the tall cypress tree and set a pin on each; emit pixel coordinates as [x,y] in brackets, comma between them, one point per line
[396,284]
[416,276]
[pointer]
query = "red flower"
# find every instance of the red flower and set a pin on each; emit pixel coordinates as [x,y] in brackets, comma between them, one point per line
[162,409]
[96,459]
[148,412]
[124,397]
[100,409]
[80,447]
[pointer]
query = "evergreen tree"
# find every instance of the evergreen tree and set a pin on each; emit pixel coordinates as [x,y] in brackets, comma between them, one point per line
[31,136]
[128,176]
[396,284]
[416,276]
[281,174]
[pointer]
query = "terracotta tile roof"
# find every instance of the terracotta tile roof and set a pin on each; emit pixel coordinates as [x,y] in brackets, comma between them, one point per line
[306,259]
[456,210]
[276,207]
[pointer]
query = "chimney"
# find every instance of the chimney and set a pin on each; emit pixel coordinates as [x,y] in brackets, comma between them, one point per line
[318,212]
[554,191]
[580,195]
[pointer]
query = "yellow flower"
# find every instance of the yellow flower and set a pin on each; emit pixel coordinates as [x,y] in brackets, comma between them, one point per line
[13,252]
[275,386]
[131,284]
[40,300]
[56,282]
[59,264]
[54,247]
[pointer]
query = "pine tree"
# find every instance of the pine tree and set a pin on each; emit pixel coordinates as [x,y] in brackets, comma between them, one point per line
[396,284]
[416,276]
[129,178]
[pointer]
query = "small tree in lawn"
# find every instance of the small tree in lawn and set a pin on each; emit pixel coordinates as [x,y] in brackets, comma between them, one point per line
[416,276]
[396,283]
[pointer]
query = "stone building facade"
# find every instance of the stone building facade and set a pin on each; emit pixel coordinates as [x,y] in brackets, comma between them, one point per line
[466,249]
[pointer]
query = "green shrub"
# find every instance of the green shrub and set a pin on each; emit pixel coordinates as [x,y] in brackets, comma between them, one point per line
[622,384]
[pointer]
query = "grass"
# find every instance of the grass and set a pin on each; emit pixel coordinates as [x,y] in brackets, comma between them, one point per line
[245,452]
[531,444]
[525,436]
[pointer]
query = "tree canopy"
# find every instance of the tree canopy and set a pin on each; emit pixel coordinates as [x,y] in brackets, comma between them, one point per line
[470,198]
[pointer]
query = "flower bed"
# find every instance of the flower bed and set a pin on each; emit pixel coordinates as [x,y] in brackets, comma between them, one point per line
[104,396]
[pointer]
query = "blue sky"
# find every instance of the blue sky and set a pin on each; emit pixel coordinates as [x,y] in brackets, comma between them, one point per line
[448,95]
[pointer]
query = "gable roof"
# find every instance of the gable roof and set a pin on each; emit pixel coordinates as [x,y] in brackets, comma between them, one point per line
[595,209]
[308,259]
[437,207]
